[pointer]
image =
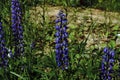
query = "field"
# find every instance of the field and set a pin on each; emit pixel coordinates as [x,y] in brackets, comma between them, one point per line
[59,40]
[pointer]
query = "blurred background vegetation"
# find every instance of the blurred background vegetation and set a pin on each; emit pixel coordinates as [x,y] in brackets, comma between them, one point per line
[112,5]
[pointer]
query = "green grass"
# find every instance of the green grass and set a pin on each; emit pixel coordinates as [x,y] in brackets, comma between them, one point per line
[39,63]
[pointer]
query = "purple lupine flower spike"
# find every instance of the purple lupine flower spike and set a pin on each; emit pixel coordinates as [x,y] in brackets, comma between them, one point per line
[17,28]
[61,40]
[107,64]
[3,50]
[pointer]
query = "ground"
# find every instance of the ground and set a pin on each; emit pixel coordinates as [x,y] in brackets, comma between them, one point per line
[103,26]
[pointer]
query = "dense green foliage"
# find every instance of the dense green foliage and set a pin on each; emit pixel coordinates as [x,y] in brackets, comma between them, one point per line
[101,4]
[38,62]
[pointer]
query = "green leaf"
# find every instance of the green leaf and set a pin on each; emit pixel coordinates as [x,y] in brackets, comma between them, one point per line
[19,76]
[112,43]
[85,55]
[77,56]
[64,3]
[116,27]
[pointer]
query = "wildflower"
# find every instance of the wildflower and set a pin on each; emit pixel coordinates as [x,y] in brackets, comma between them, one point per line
[61,40]
[3,50]
[17,28]
[107,64]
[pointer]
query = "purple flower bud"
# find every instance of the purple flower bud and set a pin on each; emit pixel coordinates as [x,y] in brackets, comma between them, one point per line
[105,50]
[64,21]
[57,34]
[57,46]
[57,20]
[57,51]
[57,27]
[57,40]
[111,60]
[112,53]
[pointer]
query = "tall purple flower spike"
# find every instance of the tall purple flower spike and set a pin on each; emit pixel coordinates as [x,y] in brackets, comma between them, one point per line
[3,50]
[17,28]
[107,64]
[61,40]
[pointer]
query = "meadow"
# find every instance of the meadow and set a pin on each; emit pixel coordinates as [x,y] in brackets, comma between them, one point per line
[59,40]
